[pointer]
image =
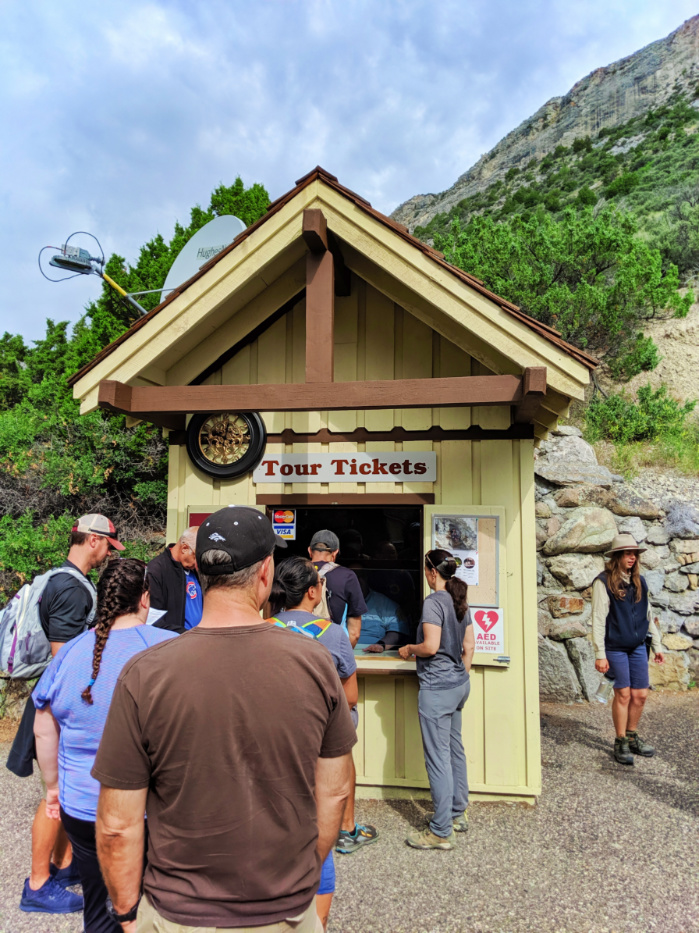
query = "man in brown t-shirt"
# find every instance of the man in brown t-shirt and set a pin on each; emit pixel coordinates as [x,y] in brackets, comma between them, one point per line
[236,740]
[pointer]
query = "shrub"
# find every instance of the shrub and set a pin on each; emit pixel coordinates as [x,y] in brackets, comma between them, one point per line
[624,184]
[642,357]
[586,197]
[582,144]
[620,419]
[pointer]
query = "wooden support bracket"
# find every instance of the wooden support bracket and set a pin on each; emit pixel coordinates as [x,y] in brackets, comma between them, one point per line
[533,394]
[315,230]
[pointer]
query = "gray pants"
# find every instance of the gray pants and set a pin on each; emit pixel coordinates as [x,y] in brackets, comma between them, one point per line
[445,759]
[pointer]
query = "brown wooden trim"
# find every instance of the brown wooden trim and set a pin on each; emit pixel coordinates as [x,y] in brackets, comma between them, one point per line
[249,338]
[516,432]
[320,317]
[116,398]
[453,391]
[533,394]
[343,276]
[348,498]
[315,230]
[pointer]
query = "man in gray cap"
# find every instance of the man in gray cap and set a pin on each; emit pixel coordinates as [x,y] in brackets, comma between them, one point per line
[238,748]
[345,599]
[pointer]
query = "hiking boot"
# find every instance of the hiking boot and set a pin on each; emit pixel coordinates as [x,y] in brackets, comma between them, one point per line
[363,835]
[50,898]
[621,751]
[427,840]
[67,876]
[459,823]
[638,746]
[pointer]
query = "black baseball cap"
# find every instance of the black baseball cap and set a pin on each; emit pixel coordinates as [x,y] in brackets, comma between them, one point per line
[245,534]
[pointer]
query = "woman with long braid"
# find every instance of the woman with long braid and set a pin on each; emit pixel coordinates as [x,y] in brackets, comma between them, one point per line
[444,650]
[72,700]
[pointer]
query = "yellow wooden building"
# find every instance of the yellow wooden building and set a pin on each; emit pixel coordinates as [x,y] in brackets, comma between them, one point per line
[357,343]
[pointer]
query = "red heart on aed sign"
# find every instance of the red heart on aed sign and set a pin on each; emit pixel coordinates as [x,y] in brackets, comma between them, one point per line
[486,620]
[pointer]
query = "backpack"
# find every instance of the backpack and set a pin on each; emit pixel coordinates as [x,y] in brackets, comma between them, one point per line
[312,629]
[25,651]
[322,610]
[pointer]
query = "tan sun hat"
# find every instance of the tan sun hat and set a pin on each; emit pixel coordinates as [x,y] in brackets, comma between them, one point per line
[624,543]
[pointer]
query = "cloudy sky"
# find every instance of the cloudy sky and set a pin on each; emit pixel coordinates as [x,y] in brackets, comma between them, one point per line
[119,116]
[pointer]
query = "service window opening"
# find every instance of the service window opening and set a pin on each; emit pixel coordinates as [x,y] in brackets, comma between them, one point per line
[384,548]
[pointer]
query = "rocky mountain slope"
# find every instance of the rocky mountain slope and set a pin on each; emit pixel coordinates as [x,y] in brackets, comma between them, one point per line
[606,98]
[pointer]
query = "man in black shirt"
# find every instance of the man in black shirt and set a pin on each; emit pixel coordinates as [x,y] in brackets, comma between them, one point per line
[345,599]
[67,607]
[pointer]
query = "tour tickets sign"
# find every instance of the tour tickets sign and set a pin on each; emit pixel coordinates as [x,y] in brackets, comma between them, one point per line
[489,630]
[395,467]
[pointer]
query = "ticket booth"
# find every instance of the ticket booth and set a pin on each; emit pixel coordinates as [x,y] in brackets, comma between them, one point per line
[333,371]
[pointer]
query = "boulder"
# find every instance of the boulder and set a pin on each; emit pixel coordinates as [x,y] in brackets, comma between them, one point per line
[569,627]
[542,509]
[553,526]
[657,535]
[686,604]
[689,568]
[671,621]
[540,570]
[541,536]
[660,600]
[576,570]
[676,582]
[567,430]
[693,581]
[672,673]
[572,497]
[655,580]
[562,605]
[557,679]
[684,546]
[692,625]
[650,559]
[674,642]
[623,501]
[582,656]
[586,531]
[633,526]
[569,460]
[693,658]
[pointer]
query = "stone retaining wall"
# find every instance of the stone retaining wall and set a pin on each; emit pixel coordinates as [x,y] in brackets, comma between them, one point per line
[580,506]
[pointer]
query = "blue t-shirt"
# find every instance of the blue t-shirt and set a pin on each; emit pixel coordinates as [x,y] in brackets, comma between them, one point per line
[382,615]
[81,724]
[193,601]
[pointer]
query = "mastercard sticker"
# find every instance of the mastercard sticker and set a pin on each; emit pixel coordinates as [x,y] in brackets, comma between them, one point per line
[284,523]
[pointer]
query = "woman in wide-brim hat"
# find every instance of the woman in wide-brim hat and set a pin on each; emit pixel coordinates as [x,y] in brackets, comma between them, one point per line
[621,621]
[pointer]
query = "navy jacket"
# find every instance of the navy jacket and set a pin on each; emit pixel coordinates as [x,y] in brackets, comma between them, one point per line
[627,620]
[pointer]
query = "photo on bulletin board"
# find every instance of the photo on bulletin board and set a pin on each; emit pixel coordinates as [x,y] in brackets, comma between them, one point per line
[459,535]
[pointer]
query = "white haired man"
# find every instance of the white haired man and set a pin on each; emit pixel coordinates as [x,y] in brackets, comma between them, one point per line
[174,584]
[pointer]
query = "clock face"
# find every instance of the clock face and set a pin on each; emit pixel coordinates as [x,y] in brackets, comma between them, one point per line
[226,444]
[224,438]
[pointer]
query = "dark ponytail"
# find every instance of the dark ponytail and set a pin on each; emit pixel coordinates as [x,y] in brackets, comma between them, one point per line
[445,565]
[119,592]
[292,579]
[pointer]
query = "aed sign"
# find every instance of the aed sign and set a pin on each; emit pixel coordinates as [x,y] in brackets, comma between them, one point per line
[284,523]
[489,630]
[343,468]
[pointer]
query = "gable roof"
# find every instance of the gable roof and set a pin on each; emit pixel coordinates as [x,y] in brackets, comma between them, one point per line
[319,174]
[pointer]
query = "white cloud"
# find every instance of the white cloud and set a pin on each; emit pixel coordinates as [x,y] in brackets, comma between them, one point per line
[118,118]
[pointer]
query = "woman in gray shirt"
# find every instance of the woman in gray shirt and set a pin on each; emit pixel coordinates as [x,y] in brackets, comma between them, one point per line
[444,649]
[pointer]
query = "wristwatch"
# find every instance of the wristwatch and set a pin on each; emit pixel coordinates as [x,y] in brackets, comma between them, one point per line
[122,918]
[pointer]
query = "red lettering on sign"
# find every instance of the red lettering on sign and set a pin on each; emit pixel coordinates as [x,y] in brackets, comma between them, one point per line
[420,468]
[286,469]
[379,468]
[365,469]
[394,468]
[270,464]
[339,467]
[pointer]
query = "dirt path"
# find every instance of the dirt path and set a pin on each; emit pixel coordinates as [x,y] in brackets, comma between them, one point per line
[607,850]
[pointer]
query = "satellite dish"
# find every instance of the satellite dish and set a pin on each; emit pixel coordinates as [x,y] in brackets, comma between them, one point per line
[203,246]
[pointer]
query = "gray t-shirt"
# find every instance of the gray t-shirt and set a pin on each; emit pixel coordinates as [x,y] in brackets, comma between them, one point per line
[444,669]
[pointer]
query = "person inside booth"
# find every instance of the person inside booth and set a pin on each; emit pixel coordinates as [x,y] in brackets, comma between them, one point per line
[384,626]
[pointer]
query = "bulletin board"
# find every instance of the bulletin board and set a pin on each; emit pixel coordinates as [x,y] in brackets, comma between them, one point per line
[475,536]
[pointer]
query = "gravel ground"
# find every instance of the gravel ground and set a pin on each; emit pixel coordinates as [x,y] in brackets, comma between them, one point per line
[607,850]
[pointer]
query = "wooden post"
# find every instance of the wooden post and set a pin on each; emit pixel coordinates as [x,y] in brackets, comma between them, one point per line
[533,392]
[320,299]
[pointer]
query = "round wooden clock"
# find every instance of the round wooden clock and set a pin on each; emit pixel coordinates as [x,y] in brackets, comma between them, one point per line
[226,444]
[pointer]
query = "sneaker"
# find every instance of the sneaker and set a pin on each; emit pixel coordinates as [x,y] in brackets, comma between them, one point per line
[363,835]
[621,751]
[427,840]
[67,876]
[638,746]
[50,898]
[459,823]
